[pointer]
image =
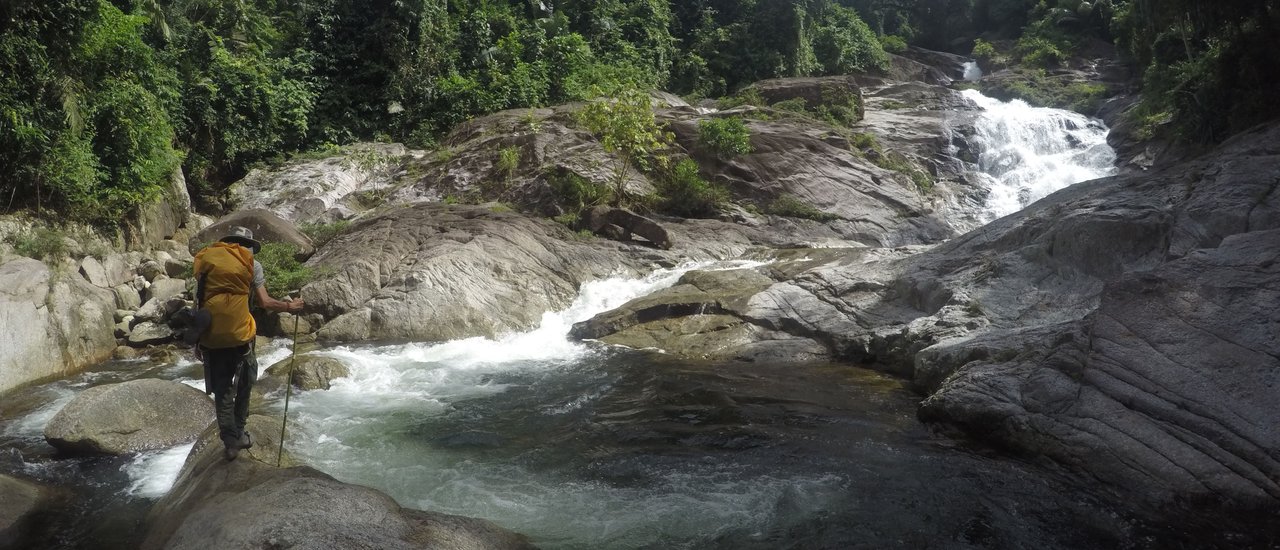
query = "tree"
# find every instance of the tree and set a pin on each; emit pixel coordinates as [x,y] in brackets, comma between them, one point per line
[626,127]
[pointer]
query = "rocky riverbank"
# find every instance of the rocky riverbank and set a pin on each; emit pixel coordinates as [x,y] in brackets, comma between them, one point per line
[1122,327]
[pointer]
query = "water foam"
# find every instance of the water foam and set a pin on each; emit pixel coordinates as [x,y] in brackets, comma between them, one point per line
[1025,153]
[152,474]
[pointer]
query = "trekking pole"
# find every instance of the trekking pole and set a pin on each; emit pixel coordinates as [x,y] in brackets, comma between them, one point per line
[288,385]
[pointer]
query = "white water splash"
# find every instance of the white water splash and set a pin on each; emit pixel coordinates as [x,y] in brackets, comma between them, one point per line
[972,71]
[1025,153]
[152,474]
[422,372]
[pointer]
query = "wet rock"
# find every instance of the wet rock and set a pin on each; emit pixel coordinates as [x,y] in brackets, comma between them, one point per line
[310,372]
[296,507]
[22,503]
[138,415]
[125,353]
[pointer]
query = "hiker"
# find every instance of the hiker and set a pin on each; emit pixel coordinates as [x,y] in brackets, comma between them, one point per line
[227,276]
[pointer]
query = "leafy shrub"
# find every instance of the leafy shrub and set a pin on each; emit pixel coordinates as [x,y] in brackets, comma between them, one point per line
[41,243]
[793,105]
[728,137]
[685,193]
[983,51]
[321,233]
[792,207]
[508,161]
[893,43]
[575,192]
[748,96]
[284,273]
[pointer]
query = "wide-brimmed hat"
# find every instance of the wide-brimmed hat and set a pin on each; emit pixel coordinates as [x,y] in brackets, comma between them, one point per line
[243,237]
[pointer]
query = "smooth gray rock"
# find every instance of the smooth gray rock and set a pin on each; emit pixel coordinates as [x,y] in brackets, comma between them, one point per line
[310,372]
[50,325]
[126,297]
[311,191]
[267,227]
[93,272]
[1123,327]
[157,310]
[22,501]
[139,415]
[296,507]
[176,268]
[150,269]
[162,219]
[431,272]
[165,289]
[149,333]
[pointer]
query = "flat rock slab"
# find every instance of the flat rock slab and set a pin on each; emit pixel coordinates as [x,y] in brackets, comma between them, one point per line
[134,416]
[149,334]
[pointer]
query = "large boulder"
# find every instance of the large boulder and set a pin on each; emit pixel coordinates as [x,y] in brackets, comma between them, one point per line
[133,416]
[1166,390]
[50,325]
[815,91]
[433,272]
[628,223]
[310,372]
[702,315]
[161,219]
[296,507]
[267,227]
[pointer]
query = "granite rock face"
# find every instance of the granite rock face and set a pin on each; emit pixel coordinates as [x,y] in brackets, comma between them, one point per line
[1125,326]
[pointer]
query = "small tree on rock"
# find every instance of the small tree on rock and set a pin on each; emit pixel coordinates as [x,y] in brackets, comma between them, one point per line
[625,124]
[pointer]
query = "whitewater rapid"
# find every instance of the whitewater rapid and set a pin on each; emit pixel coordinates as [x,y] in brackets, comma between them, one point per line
[1025,153]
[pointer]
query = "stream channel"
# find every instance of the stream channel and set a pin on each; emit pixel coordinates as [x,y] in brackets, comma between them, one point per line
[585,446]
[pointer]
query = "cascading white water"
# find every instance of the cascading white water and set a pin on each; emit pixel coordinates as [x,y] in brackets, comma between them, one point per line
[1025,153]
[972,71]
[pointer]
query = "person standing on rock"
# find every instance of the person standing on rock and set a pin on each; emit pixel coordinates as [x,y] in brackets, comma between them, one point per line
[227,277]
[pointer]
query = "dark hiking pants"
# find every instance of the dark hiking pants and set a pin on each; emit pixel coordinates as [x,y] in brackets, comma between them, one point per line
[232,372]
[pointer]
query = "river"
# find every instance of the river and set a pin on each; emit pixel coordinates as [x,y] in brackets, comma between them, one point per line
[585,446]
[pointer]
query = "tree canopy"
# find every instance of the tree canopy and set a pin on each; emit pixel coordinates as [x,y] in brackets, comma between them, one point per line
[101,99]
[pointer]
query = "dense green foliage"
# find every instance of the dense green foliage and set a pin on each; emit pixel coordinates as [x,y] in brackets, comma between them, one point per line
[683,192]
[626,127]
[727,137]
[100,100]
[283,272]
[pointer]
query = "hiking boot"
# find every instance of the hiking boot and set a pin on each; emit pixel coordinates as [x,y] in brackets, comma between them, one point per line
[231,452]
[245,441]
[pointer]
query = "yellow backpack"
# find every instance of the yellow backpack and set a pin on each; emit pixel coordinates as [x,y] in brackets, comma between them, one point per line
[226,270]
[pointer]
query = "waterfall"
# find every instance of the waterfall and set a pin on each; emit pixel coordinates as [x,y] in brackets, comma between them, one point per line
[972,71]
[1025,153]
